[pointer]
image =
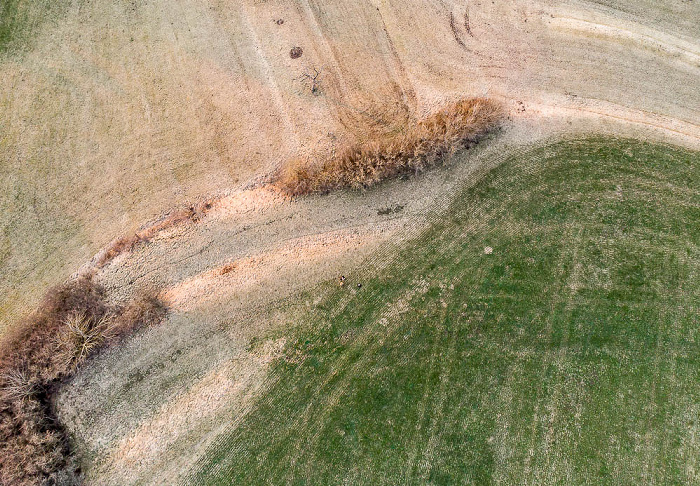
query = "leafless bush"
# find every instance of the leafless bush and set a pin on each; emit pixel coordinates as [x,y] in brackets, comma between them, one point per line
[457,126]
[312,77]
[72,323]
[18,385]
[81,336]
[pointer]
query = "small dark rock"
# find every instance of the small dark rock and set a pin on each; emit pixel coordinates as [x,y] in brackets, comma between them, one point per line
[390,210]
[296,52]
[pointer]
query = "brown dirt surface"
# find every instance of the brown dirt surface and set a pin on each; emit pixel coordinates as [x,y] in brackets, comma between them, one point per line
[116,113]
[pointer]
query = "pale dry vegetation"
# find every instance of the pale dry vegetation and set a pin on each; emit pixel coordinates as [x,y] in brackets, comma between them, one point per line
[416,148]
[81,336]
[72,324]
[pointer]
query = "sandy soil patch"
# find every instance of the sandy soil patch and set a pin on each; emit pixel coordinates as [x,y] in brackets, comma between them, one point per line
[272,269]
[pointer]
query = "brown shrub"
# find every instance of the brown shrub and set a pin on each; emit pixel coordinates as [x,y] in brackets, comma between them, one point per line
[31,345]
[145,310]
[457,126]
[80,337]
[72,323]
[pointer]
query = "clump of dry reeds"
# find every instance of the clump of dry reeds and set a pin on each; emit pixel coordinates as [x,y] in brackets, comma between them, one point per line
[81,336]
[457,126]
[72,323]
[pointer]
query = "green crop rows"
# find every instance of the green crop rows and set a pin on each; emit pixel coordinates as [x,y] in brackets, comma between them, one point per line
[544,330]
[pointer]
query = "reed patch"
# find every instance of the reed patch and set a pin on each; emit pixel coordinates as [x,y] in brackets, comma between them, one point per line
[417,148]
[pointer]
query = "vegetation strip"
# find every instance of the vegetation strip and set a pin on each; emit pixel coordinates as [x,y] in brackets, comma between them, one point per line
[418,147]
[73,323]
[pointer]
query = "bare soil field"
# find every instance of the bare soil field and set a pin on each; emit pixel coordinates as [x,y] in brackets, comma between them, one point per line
[112,114]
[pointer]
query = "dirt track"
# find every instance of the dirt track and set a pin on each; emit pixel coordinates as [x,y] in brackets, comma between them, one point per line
[102,132]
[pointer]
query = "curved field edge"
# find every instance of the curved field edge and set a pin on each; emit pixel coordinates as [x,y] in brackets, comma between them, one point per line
[77,319]
[542,330]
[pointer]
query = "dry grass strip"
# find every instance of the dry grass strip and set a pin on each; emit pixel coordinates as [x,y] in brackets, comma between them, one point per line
[455,127]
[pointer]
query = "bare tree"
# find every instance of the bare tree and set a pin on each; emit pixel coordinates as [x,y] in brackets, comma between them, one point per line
[312,76]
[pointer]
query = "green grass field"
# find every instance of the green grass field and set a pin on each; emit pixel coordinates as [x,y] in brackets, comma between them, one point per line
[568,355]
[11,20]
[20,19]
